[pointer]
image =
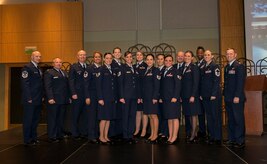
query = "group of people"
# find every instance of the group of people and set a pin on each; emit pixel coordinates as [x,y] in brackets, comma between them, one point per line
[119,98]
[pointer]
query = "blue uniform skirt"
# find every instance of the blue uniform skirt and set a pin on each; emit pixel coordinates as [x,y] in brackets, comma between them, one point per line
[106,112]
[191,109]
[171,110]
[150,108]
[140,107]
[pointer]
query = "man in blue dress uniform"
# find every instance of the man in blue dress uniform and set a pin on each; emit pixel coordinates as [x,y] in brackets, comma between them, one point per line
[201,117]
[234,97]
[77,89]
[32,95]
[57,94]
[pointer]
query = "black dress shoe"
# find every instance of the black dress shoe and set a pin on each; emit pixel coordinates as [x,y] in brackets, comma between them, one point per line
[131,141]
[28,144]
[36,141]
[218,142]
[53,140]
[60,138]
[147,141]
[239,146]
[163,139]
[229,143]
[110,142]
[171,143]
[137,135]
[211,142]
[191,141]
[103,143]
[77,138]
[93,141]
[155,141]
[83,136]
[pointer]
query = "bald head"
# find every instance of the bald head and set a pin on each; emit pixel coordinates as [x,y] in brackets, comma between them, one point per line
[57,63]
[36,57]
[180,57]
[81,56]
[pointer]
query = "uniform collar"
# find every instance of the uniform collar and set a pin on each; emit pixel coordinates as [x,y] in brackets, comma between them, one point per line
[35,64]
[186,65]
[82,64]
[168,68]
[231,63]
[96,65]
[129,65]
[207,64]
[160,68]
[201,61]
[117,61]
[139,63]
[108,66]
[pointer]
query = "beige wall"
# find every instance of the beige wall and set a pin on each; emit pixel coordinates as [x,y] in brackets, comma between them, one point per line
[181,39]
[185,24]
[55,28]
[232,26]
[3,111]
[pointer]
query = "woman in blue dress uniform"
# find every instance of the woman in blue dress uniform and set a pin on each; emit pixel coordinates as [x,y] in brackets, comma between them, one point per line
[128,89]
[210,95]
[189,93]
[91,96]
[170,95]
[151,84]
[163,123]
[106,95]
[140,66]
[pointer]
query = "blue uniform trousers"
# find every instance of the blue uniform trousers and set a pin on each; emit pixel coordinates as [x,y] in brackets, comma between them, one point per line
[79,118]
[55,120]
[201,119]
[236,121]
[214,117]
[92,120]
[128,117]
[163,123]
[31,117]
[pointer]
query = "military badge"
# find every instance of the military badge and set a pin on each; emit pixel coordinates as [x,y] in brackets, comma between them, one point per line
[119,73]
[179,77]
[217,72]
[158,77]
[169,75]
[97,74]
[208,71]
[24,74]
[85,74]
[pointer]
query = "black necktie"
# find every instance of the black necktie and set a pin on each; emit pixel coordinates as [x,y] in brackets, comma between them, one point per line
[39,70]
[109,68]
[84,66]
[165,72]
[132,69]
[185,69]
[61,72]
[146,70]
